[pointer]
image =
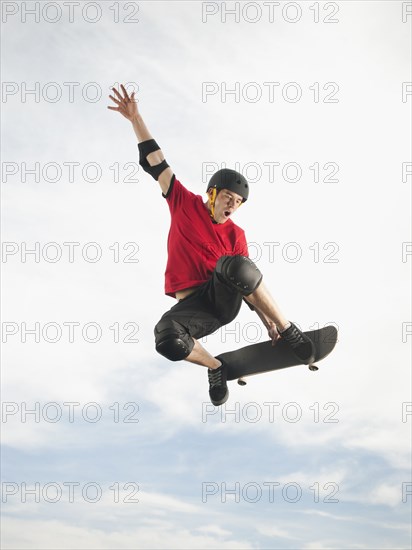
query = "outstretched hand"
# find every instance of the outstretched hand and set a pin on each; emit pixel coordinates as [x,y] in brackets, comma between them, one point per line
[126,105]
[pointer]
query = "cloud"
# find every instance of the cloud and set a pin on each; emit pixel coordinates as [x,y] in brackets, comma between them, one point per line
[384,493]
[274,532]
[60,535]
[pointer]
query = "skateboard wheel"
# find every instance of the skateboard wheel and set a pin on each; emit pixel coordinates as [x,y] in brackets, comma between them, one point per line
[241,382]
[313,367]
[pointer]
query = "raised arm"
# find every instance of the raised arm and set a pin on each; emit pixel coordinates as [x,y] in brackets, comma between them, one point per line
[127,106]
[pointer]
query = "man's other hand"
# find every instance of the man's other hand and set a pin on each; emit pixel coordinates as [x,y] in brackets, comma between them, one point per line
[273,333]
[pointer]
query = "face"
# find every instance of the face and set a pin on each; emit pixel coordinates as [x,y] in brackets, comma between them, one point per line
[227,202]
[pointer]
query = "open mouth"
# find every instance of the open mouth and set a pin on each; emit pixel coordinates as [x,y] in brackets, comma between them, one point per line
[227,213]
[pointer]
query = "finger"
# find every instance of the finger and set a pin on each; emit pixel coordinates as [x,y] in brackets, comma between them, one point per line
[118,94]
[125,92]
[115,100]
[113,108]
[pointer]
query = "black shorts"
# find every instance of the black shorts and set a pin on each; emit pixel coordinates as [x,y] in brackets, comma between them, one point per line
[208,308]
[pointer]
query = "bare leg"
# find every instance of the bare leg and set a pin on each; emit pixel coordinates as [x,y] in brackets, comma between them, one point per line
[202,357]
[263,301]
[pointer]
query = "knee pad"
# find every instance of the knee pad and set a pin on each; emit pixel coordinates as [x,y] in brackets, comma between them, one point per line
[239,272]
[172,340]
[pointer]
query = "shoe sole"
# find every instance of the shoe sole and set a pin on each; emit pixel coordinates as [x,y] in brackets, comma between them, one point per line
[217,403]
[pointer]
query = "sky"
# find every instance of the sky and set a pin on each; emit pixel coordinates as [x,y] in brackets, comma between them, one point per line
[105,443]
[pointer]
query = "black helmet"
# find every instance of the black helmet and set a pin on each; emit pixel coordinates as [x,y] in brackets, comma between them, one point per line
[230,179]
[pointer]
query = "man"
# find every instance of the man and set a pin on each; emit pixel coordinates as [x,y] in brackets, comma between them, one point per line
[208,269]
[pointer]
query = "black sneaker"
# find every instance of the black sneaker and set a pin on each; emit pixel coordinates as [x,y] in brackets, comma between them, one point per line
[302,346]
[218,391]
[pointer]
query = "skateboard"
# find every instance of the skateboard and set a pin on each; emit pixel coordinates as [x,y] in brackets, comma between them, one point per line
[263,357]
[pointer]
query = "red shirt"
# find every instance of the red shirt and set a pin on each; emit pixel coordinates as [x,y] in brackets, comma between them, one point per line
[195,243]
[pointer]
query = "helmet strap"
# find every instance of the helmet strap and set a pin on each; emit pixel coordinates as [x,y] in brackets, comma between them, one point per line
[212,203]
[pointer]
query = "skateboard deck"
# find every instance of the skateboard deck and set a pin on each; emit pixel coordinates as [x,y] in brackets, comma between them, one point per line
[263,357]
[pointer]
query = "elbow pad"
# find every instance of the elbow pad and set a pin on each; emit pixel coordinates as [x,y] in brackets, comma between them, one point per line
[145,148]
